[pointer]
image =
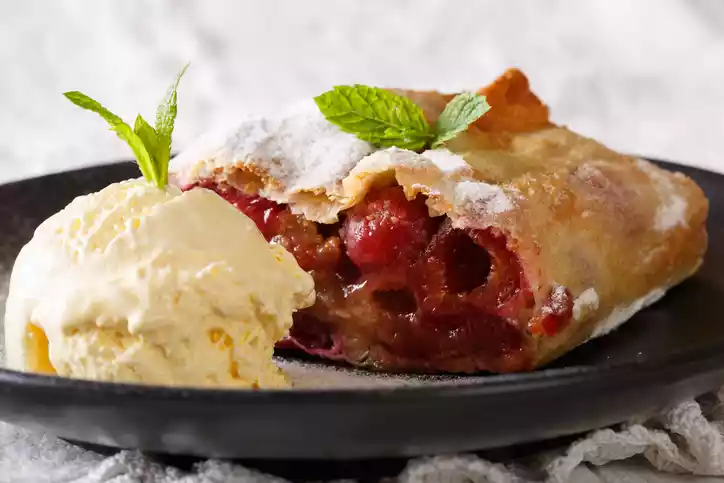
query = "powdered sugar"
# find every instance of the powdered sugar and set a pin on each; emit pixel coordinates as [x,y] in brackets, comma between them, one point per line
[477,196]
[448,162]
[386,159]
[300,149]
[586,302]
[672,209]
[310,164]
[558,298]
[671,214]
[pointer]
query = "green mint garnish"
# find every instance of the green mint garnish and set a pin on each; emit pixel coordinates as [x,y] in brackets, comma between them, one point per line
[386,119]
[376,116]
[151,146]
[463,110]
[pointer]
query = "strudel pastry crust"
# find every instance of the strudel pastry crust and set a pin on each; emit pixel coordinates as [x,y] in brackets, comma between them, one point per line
[595,234]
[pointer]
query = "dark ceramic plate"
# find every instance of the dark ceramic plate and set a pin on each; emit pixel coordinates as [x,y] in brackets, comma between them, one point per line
[669,352]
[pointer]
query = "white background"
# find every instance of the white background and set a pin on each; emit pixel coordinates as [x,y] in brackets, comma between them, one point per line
[644,76]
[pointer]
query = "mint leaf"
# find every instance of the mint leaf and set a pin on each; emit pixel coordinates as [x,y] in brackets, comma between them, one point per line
[123,130]
[151,146]
[377,116]
[150,139]
[165,119]
[463,110]
[147,134]
[386,119]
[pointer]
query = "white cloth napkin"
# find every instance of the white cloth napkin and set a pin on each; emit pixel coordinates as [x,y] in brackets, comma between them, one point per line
[685,439]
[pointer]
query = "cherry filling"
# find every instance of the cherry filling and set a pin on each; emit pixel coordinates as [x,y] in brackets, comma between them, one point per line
[387,230]
[400,290]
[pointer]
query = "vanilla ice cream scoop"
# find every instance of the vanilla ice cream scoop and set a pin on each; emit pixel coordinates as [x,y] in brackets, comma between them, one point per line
[140,284]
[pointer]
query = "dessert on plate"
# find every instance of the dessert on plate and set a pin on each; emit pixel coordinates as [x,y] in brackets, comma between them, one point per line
[141,282]
[453,232]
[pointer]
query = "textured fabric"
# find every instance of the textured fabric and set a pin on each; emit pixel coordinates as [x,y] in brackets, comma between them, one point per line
[687,439]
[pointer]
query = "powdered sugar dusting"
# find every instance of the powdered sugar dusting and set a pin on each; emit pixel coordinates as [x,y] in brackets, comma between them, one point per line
[310,164]
[389,158]
[300,149]
[586,302]
[557,301]
[671,214]
[303,148]
[477,196]
[672,209]
[316,375]
[448,162]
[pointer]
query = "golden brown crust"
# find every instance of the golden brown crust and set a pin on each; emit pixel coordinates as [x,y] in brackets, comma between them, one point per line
[586,216]
[514,107]
[616,229]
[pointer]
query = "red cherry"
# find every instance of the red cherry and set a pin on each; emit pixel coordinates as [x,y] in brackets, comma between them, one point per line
[386,229]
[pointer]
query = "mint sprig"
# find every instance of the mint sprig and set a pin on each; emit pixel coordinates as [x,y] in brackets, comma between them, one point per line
[463,110]
[151,146]
[376,116]
[386,119]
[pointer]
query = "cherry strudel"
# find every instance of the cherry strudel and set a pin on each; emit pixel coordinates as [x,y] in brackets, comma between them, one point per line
[510,245]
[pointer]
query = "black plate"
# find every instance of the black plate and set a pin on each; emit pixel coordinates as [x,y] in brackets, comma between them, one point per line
[671,351]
